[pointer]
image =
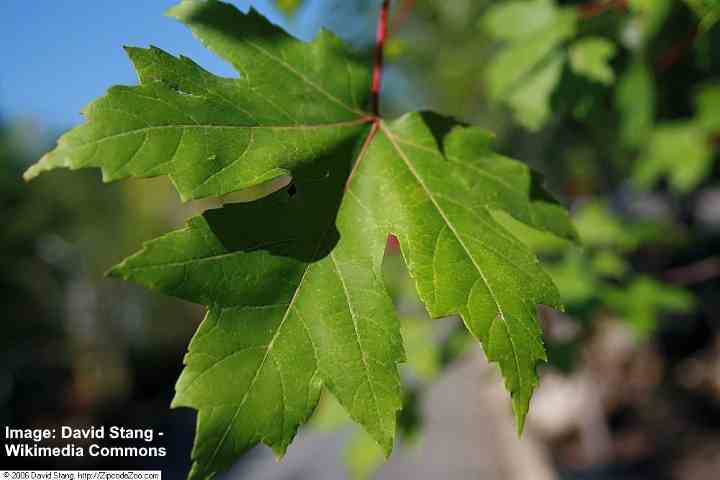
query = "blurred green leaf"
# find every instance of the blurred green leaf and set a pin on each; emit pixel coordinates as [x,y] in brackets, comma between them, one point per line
[329,415]
[641,302]
[599,227]
[680,151]
[609,264]
[288,7]
[527,68]
[574,278]
[707,10]
[518,19]
[635,101]
[708,109]
[421,352]
[647,18]
[363,457]
[530,103]
[591,56]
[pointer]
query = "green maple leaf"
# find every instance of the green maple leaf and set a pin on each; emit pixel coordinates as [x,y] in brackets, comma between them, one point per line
[293,281]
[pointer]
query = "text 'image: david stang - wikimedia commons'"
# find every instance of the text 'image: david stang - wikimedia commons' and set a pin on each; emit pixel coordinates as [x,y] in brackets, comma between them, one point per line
[66,441]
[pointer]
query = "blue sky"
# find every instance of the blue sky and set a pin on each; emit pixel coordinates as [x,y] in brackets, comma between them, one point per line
[59,55]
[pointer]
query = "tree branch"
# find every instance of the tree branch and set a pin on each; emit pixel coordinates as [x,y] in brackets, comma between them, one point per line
[593,9]
[697,272]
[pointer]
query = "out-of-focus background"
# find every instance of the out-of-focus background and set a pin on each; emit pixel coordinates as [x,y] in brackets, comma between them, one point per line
[617,102]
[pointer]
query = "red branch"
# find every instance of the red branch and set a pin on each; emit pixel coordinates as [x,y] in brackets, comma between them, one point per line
[374,88]
[378,65]
[593,9]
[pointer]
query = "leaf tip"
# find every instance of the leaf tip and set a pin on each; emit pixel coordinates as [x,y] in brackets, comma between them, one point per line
[178,401]
[134,53]
[117,271]
[30,173]
[185,9]
[44,164]
[279,452]
[520,409]
[182,10]
[387,450]
[177,10]
[386,444]
[198,472]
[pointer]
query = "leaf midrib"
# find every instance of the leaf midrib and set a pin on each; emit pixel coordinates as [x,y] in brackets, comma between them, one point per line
[471,166]
[260,367]
[291,306]
[319,126]
[416,176]
[358,340]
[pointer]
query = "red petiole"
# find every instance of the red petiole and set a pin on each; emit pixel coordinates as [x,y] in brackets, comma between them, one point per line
[377,73]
